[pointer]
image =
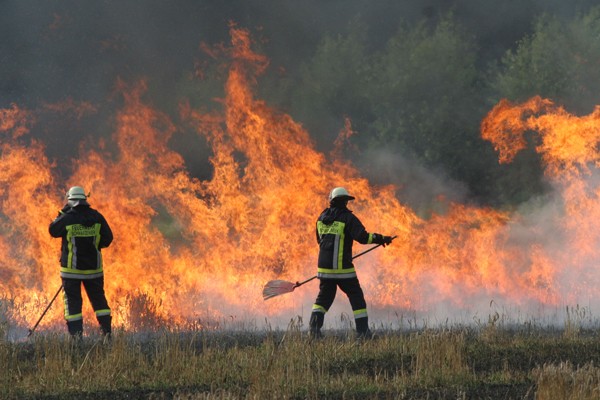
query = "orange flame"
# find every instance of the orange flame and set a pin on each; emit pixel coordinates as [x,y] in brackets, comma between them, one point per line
[193,250]
[568,143]
[565,262]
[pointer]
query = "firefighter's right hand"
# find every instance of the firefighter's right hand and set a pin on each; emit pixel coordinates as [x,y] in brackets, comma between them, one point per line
[65,208]
[382,240]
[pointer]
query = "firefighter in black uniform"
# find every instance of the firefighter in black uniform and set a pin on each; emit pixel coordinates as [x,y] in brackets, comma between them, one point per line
[337,228]
[84,232]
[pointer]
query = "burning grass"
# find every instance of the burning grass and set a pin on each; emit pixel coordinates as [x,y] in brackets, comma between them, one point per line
[443,363]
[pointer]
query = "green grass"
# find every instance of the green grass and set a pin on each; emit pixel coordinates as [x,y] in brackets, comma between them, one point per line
[449,363]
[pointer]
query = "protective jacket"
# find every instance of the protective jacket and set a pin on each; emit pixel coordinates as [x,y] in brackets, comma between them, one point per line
[84,233]
[337,228]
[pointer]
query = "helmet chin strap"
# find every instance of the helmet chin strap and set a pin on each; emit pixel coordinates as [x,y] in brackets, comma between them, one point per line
[76,202]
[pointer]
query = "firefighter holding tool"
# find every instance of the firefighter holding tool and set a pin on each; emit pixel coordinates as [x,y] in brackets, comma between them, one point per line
[84,232]
[337,228]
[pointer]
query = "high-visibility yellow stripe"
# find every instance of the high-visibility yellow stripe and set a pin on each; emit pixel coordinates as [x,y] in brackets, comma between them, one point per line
[81,271]
[97,234]
[336,271]
[336,276]
[318,308]
[70,317]
[74,317]
[65,303]
[69,247]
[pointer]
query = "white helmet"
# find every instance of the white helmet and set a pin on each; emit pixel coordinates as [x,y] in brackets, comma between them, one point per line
[340,192]
[76,193]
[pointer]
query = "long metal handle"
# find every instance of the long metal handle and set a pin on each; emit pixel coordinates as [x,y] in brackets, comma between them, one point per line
[45,311]
[306,281]
[353,257]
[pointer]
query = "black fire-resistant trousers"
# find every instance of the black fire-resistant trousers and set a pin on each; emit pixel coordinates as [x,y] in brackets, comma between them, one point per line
[327,291]
[74,302]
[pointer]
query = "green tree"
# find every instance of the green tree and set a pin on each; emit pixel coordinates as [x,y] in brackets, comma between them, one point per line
[559,60]
[332,84]
[423,90]
[426,99]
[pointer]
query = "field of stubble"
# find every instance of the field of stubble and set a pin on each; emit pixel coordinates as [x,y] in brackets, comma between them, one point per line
[488,362]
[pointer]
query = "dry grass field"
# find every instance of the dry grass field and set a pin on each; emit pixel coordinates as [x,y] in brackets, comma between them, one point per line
[488,362]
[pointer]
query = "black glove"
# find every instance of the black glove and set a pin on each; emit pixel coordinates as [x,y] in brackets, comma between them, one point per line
[65,208]
[382,240]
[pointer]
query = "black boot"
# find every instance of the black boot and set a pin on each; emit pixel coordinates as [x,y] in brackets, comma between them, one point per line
[105,324]
[362,328]
[315,324]
[75,328]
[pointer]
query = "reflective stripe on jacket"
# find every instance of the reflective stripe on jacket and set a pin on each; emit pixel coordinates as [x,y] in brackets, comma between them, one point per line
[336,229]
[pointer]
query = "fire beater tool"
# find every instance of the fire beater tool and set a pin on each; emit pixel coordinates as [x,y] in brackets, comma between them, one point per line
[45,311]
[278,286]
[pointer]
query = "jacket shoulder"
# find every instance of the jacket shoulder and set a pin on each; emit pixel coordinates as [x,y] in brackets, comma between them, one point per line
[90,210]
